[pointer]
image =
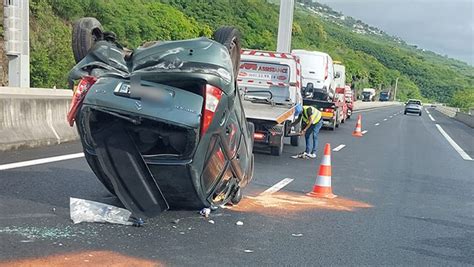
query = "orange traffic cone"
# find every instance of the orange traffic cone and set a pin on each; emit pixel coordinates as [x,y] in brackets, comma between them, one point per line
[358,130]
[322,187]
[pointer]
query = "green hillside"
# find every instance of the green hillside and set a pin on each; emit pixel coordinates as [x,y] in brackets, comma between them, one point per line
[373,60]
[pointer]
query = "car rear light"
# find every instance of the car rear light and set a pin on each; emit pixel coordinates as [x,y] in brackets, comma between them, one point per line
[78,96]
[259,136]
[212,97]
[328,110]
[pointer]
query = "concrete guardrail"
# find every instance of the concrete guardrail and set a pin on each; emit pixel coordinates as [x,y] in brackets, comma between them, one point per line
[455,113]
[360,105]
[448,111]
[34,117]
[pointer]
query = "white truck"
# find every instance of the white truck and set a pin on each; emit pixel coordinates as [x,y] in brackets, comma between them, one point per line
[368,94]
[270,83]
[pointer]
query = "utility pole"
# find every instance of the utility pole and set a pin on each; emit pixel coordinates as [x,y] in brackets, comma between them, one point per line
[395,91]
[16,22]
[285,26]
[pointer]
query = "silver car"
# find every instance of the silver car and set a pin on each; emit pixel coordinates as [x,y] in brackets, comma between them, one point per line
[413,106]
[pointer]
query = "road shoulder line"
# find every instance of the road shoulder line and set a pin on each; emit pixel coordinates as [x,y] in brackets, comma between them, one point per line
[456,147]
[40,161]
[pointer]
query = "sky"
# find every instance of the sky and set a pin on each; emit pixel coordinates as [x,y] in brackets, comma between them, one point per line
[443,26]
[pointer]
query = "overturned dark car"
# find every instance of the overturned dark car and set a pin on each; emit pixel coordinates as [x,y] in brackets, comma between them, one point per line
[162,126]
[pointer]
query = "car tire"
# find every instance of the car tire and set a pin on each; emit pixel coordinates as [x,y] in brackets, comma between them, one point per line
[419,113]
[405,113]
[85,32]
[333,126]
[230,38]
[295,140]
[251,128]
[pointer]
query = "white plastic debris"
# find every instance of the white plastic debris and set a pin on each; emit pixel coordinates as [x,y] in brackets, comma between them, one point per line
[90,211]
[205,212]
[239,223]
[297,235]
[211,221]
[248,251]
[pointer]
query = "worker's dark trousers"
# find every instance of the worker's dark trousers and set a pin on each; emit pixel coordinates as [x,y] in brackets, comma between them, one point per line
[314,131]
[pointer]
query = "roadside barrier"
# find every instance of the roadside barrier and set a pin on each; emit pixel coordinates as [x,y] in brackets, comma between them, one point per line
[34,117]
[358,129]
[322,187]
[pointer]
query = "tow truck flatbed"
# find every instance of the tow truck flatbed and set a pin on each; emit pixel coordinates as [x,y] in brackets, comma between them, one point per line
[267,112]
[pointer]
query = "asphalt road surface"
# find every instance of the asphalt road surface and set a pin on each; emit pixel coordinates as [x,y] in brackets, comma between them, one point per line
[405,197]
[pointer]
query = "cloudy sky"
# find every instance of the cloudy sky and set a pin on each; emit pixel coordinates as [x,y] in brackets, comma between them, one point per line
[442,26]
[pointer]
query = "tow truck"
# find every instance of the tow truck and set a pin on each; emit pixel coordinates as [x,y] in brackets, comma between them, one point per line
[270,84]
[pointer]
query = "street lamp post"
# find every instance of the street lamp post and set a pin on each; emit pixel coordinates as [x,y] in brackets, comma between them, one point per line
[285,25]
[17,45]
[395,90]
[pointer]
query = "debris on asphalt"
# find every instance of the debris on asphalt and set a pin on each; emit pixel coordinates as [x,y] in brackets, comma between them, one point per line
[205,212]
[181,233]
[214,208]
[174,226]
[297,235]
[175,221]
[239,223]
[211,221]
[90,211]
[248,251]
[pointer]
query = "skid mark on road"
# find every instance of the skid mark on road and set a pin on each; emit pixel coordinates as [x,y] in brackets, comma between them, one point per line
[339,147]
[85,258]
[282,203]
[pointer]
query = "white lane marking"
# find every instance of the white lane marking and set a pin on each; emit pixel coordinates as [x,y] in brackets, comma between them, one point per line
[39,161]
[339,147]
[278,186]
[364,132]
[456,147]
[377,124]
[427,111]
[384,119]
[431,117]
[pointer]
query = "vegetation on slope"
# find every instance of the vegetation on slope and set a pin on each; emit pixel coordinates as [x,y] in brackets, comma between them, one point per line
[371,62]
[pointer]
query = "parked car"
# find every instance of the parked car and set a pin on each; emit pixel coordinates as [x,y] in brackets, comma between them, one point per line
[413,106]
[162,126]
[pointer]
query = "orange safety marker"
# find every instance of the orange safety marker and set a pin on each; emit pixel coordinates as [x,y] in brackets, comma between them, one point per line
[322,187]
[358,130]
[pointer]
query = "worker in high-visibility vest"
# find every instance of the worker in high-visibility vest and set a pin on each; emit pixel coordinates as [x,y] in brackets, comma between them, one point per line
[312,122]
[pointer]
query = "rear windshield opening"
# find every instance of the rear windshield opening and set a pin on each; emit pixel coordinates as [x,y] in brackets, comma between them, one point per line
[152,138]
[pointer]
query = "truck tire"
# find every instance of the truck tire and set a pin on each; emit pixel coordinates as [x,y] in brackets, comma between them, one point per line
[85,32]
[337,120]
[295,140]
[277,150]
[230,38]
[333,126]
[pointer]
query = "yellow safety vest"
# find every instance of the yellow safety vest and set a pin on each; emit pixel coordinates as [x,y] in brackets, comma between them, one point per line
[315,117]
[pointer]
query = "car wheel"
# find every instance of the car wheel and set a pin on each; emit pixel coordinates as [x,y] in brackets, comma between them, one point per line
[420,113]
[405,113]
[85,32]
[230,38]
[295,140]
[333,126]
[237,197]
